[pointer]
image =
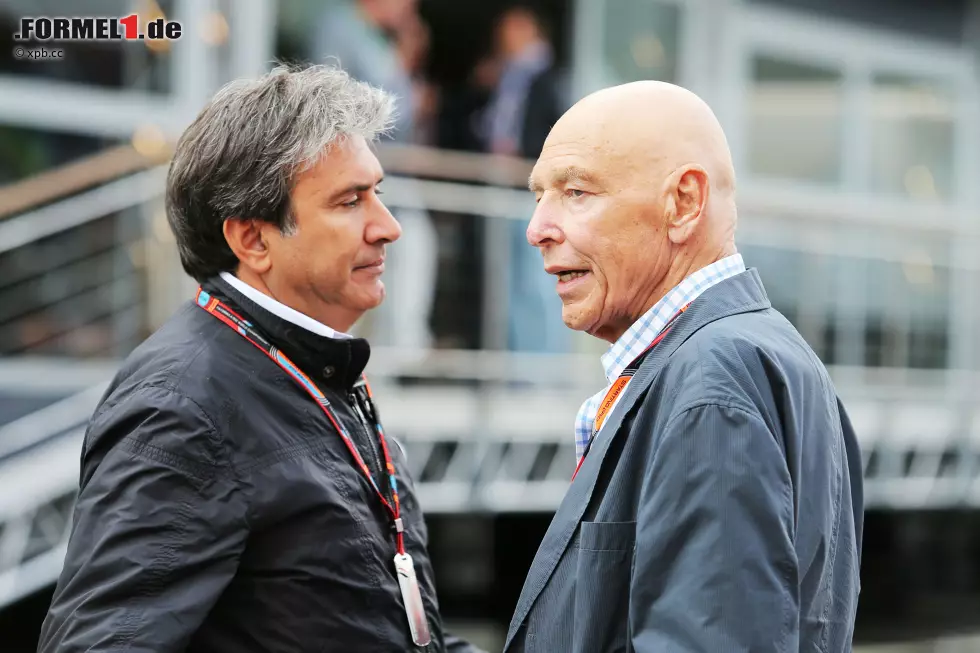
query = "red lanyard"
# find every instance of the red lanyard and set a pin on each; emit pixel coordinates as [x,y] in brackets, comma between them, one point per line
[617,387]
[245,329]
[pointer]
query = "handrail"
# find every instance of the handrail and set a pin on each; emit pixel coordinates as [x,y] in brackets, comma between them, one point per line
[31,375]
[79,209]
[506,173]
[483,200]
[115,162]
[580,370]
[149,184]
[56,418]
[566,375]
[420,161]
[72,178]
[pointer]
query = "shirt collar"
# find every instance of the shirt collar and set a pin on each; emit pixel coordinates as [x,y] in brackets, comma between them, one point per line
[642,332]
[281,310]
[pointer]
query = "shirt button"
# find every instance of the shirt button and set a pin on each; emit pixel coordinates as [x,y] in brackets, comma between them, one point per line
[328,371]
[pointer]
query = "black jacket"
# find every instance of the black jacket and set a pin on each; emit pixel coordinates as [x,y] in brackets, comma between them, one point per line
[220,511]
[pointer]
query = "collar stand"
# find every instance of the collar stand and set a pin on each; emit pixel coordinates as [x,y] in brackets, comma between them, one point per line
[332,362]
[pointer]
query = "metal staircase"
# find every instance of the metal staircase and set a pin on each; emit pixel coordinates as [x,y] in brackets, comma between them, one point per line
[39,462]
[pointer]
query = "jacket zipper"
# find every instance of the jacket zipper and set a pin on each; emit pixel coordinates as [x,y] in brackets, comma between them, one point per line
[374,446]
[371,444]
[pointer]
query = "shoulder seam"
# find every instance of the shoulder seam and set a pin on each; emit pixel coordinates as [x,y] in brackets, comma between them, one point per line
[200,471]
[140,447]
[170,389]
[706,403]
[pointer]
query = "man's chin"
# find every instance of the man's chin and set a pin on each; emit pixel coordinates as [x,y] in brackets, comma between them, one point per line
[575,319]
[380,294]
[373,297]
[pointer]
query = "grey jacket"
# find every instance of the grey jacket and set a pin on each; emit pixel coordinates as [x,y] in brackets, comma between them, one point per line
[720,508]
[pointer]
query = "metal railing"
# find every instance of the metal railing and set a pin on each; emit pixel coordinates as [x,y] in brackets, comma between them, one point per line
[501,439]
[71,273]
[815,232]
[503,447]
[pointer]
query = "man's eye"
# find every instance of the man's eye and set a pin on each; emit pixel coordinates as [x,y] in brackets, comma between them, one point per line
[353,204]
[574,192]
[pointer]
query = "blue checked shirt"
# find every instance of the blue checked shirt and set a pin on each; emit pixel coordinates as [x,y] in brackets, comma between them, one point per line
[639,336]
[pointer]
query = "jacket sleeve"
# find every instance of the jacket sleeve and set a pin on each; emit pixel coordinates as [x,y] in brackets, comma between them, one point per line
[156,536]
[715,568]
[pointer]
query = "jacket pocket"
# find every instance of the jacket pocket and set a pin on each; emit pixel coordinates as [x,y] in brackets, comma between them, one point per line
[605,560]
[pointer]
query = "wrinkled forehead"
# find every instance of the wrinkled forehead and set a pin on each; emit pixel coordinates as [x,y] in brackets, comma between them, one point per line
[584,155]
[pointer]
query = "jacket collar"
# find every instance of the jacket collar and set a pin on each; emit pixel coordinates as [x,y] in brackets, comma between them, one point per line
[278,308]
[336,363]
[743,293]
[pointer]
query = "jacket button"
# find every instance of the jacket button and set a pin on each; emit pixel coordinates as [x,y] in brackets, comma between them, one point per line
[328,371]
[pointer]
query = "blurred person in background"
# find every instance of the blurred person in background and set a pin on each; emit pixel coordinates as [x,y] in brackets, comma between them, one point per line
[527,100]
[385,43]
[718,501]
[237,490]
[525,103]
[461,108]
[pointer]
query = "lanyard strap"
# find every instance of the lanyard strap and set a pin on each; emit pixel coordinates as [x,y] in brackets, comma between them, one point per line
[245,329]
[617,387]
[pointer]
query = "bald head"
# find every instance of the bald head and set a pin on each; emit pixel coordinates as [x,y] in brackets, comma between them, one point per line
[643,170]
[652,129]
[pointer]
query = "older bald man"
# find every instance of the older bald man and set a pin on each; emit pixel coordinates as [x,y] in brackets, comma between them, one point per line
[717,505]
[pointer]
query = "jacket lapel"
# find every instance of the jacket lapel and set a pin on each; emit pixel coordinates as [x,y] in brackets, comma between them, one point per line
[579,494]
[741,294]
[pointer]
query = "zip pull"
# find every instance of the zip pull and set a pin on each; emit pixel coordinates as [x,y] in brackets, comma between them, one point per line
[368,429]
[365,403]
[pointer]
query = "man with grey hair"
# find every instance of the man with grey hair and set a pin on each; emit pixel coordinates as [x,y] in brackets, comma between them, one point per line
[237,490]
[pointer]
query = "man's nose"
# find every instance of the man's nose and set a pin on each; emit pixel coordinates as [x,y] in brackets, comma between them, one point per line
[543,228]
[383,226]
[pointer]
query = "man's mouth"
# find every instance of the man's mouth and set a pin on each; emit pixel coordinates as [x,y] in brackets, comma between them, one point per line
[571,274]
[373,264]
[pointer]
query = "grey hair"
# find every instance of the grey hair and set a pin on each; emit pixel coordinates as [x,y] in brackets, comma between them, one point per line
[241,155]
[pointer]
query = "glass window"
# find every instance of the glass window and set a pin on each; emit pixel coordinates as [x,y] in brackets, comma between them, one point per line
[912,126]
[780,271]
[640,41]
[799,287]
[908,313]
[928,287]
[794,120]
[851,308]
[860,311]
[886,336]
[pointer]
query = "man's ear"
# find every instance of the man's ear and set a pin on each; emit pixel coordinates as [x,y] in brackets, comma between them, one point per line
[247,239]
[686,199]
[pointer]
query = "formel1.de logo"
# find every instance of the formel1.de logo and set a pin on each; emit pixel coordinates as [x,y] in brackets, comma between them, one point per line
[45,28]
